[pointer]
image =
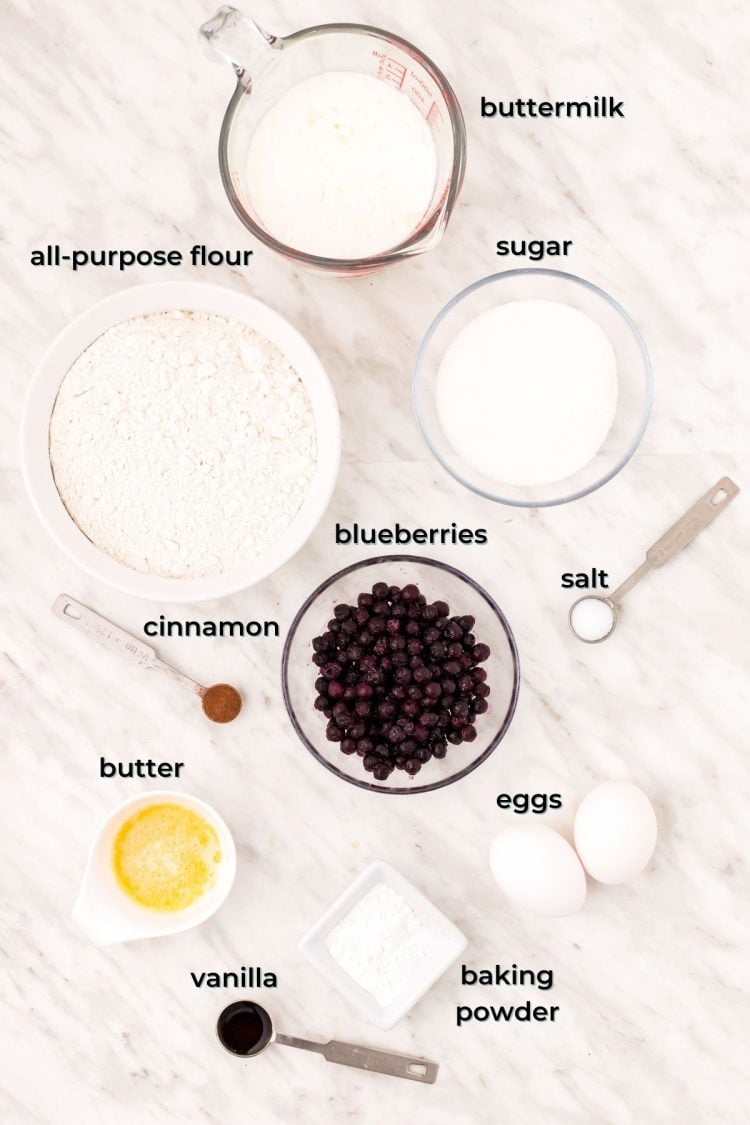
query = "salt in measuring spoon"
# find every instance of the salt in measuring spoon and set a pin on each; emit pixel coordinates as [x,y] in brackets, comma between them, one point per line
[245,1029]
[221,702]
[593,618]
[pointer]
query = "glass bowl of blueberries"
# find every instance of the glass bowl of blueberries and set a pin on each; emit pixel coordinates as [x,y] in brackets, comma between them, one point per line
[400,674]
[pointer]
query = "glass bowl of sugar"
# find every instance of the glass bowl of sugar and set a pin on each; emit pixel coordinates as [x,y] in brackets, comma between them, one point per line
[532,387]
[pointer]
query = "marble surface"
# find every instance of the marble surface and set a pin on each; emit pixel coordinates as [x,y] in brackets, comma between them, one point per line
[110,119]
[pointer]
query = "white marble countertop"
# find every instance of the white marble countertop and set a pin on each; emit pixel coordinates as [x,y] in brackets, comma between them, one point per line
[111,115]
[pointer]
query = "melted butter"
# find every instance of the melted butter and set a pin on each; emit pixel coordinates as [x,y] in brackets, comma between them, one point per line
[165,856]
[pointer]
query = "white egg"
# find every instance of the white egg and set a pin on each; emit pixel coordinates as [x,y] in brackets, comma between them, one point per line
[538,869]
[615,831]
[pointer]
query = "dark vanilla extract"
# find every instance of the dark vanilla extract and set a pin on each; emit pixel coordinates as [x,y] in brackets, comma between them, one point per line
[244,1028]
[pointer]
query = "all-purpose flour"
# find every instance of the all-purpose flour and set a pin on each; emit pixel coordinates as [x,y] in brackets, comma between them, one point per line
[379,943]
[182,443]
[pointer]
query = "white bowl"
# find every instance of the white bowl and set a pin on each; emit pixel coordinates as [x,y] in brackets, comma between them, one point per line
[446,944]
[139,301]
[103,910]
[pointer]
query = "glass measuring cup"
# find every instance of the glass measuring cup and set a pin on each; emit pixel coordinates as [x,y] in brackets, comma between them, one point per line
[245,1029]
[593,618]
[266,66]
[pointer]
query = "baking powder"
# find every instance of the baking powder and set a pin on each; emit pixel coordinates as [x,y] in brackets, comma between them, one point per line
[379,943]
[182,443]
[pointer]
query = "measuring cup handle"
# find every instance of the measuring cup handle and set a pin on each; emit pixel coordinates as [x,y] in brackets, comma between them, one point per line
[240,41]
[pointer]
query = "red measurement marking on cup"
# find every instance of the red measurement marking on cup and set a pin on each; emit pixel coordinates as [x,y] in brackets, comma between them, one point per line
[433,116]
[391,71]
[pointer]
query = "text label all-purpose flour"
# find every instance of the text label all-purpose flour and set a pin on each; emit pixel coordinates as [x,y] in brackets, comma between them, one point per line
[527,392]
[182,443]
[342,166]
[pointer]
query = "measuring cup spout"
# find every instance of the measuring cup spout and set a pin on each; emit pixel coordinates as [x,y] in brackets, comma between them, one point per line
[241,42]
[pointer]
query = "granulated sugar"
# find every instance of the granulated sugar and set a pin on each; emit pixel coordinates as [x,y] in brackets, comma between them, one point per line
[182,443]
[527,392]
[379,943]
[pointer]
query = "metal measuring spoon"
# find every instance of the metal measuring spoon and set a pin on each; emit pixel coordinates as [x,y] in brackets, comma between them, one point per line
[221,702]
[593,618]
[245,1029]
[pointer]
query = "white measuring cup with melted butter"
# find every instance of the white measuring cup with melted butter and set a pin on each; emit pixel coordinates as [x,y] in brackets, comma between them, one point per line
[124,895]
[593,618]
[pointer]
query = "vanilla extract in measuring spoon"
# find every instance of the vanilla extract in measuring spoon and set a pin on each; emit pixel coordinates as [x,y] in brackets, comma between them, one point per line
[593,618]
[245,1029]
[221,703]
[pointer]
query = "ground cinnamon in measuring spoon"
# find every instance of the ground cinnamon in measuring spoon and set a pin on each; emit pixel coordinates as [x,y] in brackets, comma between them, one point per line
[221,703]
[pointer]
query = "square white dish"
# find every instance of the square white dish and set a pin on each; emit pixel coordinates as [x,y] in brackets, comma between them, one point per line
[446,944]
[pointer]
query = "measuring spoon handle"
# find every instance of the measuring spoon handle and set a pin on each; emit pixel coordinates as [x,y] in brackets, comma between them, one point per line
[681,533]
[115,638]
[103,631]
[366,1058]
[695,519]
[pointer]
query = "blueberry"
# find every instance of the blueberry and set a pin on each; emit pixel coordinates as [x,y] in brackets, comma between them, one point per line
[398,678]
